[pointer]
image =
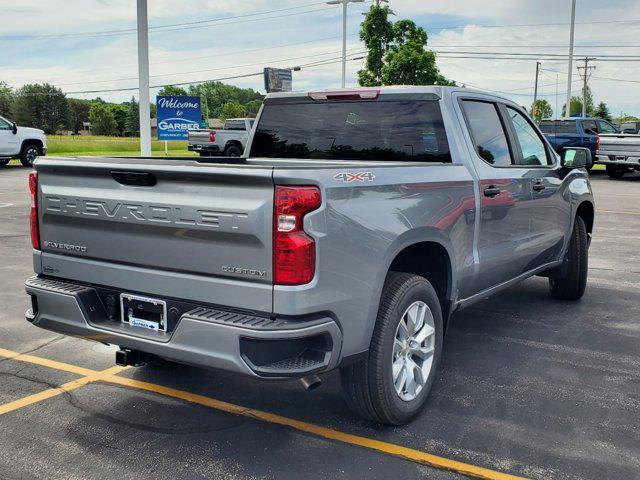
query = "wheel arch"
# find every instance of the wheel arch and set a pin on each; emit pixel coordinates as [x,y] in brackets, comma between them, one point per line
[586,211]
[31,141]
[236,143]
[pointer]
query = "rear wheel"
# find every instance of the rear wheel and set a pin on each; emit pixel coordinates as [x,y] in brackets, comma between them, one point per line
[393,382]
[29,153]
[233,151]
[614,171]
[572,285]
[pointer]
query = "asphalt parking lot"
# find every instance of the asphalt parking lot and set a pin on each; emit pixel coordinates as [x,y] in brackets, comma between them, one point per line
[529,387]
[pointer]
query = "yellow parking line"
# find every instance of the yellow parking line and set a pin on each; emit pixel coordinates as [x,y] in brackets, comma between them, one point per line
[46,363]
[328,433]
[53,392]
[619,213]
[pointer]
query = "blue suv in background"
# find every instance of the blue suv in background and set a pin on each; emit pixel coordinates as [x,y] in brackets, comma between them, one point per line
[576,132]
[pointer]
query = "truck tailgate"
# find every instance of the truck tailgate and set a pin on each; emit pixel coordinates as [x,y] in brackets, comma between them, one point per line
[179,222]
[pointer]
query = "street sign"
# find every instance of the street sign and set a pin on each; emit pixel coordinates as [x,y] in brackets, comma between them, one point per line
[277,79]
[177,115]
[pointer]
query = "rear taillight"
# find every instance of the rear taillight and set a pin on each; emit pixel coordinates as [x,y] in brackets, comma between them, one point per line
[33,215]
[597,143]
[212,136]
[294,252]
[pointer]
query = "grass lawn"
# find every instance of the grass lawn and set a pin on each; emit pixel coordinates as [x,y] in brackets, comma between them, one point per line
[78,145]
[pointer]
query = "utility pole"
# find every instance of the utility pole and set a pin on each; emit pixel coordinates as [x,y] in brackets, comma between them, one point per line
[535,90]
[573,24]
[585,74]
[143,79]
[344,33]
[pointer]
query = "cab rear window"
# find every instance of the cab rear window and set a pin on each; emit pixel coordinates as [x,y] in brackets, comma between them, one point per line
[558,126]
[403,130]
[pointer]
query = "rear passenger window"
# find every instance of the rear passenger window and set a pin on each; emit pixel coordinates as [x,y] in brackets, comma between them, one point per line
[531,145]
[488,133]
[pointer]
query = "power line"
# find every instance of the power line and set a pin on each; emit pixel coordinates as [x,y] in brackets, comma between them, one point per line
[164,28]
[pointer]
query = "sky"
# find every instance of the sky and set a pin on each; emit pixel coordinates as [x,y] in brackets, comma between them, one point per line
[81,45]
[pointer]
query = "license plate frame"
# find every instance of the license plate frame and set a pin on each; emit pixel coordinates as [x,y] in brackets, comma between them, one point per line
[143,312]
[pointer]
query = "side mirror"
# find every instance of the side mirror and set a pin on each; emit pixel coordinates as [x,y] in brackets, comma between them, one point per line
[576,157]
[14,128]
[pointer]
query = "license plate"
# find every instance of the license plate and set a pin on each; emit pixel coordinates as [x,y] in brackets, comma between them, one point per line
[143,312]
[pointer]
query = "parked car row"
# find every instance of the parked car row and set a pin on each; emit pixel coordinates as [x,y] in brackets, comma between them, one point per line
[20,142]
[230,141]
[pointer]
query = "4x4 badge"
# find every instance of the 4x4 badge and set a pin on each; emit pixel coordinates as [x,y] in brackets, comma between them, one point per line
[348,177]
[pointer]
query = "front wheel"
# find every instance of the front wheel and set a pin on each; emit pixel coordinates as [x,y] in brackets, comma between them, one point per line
[28,155]
[392,383]
[573,284]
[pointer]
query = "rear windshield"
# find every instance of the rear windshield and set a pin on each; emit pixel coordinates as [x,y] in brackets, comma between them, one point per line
[400,130]
[234,125]
[558,126]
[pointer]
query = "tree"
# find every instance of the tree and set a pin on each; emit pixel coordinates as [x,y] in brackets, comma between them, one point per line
[216,94]
[120,114]
[102,119]
[576,105]
[232,110]
[397,53]
[544,110]
[602,111]
[6,99]
[41,106]
[78,113]
[132,120]
[253,107]
[171,90]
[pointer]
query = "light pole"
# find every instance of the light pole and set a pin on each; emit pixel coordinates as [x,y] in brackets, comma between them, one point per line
[535,90]
[573,24]
[143,79]
[344,33]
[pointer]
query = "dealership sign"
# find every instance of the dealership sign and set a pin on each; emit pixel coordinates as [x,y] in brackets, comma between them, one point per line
[177,115]
[277,79]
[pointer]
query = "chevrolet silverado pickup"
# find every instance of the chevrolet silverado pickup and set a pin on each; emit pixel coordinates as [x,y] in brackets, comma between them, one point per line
[620,153]
[229,141]
[357,222]
[20,142]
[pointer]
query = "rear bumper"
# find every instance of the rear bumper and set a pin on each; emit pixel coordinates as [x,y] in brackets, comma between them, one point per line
[629,159]
[203,148]
[237,342]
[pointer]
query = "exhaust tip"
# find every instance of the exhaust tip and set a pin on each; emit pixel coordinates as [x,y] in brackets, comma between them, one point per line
[311,382]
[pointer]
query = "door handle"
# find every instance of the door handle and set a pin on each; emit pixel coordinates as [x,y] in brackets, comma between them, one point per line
[491,191]
[538,187]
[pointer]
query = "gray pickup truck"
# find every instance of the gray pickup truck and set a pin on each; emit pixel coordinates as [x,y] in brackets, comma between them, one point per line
[619,152]
[357,223]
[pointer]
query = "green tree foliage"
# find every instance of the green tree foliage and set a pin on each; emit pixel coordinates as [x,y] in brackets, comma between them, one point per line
[103,122]
[576,104]
[120,114]
[397,53]
[216,94]
[171,90]
[132,120]
[232,110]
[6,99]
[626,118]
[78,113]
[41,106]
[253,107]
[602,111]
[544,110]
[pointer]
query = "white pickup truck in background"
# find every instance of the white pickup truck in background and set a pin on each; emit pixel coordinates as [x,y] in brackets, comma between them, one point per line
[230,141]
[620,153]
[20,142]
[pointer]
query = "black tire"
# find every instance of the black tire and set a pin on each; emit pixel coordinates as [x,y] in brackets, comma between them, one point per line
[4,162]
[233,151]
[368,384]
[29,153]
[573,284]
[615,171]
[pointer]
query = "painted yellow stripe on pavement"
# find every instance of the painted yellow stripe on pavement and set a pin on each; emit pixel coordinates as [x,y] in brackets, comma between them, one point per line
[377,445]
[53,392]
[618,213]
[46,363]
[328,433]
